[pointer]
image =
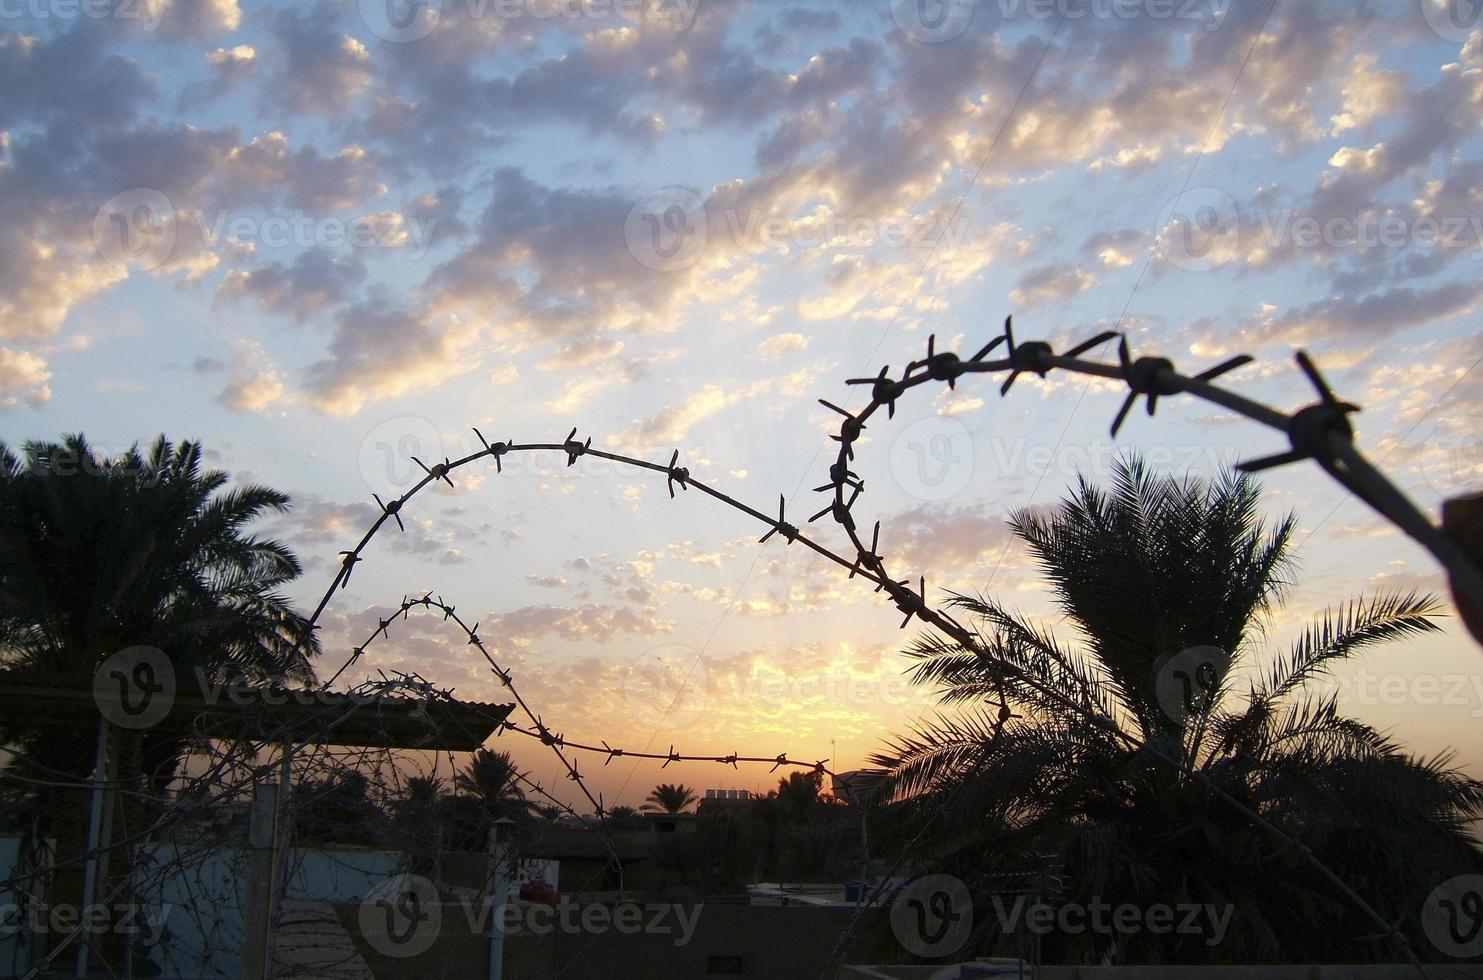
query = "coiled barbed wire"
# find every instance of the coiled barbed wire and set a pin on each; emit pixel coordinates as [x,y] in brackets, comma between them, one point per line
[1320,431]
[543,733]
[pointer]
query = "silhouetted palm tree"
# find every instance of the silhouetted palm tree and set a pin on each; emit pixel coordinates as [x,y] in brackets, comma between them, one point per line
[798,793]
[624,818]
[144,549]
[1166,587]
[669,798]
[493,780]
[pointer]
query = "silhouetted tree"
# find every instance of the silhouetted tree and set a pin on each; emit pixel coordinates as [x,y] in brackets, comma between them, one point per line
[1166,586]
[146,549]
[669,798]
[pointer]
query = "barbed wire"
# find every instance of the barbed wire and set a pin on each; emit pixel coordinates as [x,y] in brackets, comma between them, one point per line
[1320,432]
[189,853]
[542,732]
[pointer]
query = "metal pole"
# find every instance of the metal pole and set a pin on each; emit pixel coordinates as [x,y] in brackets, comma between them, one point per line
[257,919]
[95,832]
[499,892]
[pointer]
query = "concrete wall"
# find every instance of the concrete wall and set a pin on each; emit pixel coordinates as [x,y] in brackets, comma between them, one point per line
[207,889]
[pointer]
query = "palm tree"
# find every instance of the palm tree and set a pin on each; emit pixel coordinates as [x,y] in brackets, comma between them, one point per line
[1136,729]
[798,793]
[624,818]
[492,779]
[97,555]
[669,798]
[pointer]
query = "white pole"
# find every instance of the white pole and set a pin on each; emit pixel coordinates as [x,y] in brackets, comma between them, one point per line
[499,894]
[95,833]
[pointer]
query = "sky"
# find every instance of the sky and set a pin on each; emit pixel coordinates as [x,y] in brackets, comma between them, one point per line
[325,237]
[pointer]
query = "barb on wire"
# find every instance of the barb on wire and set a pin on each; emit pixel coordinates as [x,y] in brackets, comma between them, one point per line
[1320,432]
[540,731]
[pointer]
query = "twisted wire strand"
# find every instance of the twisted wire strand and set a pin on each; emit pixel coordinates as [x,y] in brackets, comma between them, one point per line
[1320,432]
[542,732]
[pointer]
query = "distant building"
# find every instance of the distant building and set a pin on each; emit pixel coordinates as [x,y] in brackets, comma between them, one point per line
[716,800]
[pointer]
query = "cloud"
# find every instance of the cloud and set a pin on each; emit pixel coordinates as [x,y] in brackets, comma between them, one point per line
[321,69]
[780,344]
[23,378]
[1049,284]
[379,350]
[314,282]
[193,20]
[255,384]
